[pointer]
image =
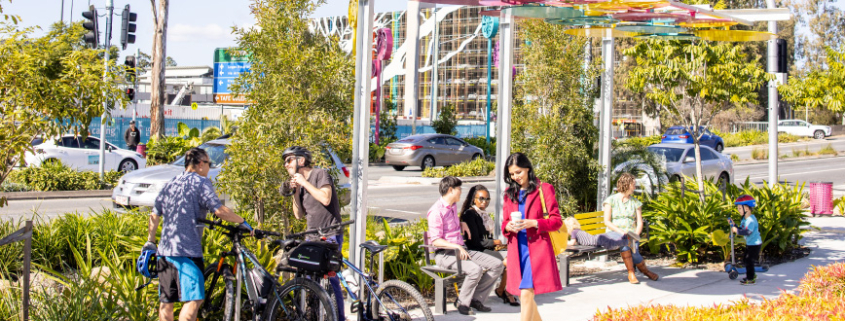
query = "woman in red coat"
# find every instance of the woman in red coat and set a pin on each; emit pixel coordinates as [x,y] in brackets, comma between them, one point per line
[529,245]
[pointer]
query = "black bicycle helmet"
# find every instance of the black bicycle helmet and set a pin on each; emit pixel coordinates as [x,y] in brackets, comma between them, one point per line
[297,151]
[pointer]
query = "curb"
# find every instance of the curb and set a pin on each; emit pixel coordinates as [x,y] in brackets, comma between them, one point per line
[431,180]
[17,196]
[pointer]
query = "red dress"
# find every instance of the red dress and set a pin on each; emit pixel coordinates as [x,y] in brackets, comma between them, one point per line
[543,262]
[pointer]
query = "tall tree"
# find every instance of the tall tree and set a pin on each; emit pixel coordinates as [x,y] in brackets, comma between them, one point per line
[695,80]
[300,89]
[48,86]
[825,22]
[158,85]
[552,115]
[821,86]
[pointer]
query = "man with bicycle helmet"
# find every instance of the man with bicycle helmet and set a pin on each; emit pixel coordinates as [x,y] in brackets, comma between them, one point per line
[315,198]
[180,202]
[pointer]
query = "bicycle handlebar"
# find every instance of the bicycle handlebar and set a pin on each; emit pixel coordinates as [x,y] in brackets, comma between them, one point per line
[259,234]
[319,230]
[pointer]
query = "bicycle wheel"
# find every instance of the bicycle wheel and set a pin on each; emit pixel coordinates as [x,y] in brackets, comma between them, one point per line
[302,300]
[327,286]
[219,294]
[401,301]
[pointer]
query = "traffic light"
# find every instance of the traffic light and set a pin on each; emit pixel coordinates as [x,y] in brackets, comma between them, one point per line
[127,33]
[92,37]
[782,56]
[129,64]
[130,94]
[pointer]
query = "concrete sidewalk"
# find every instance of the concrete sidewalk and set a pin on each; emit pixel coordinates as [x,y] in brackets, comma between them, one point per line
[596,292]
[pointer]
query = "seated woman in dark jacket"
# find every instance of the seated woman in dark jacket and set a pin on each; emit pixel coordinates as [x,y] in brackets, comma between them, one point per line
[478,228]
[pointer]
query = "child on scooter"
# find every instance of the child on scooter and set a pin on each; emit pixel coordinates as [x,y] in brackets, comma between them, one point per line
[749,228]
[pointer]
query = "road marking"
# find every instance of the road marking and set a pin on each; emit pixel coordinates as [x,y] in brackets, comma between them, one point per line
[800,173]
[392,210]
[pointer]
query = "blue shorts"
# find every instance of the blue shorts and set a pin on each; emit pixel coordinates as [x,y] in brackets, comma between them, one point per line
[180,279]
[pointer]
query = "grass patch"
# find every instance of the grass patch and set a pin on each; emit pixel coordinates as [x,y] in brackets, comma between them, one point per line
[828,150]
[760,153]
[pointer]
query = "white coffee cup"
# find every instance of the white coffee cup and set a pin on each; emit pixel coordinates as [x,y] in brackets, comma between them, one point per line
[516,217]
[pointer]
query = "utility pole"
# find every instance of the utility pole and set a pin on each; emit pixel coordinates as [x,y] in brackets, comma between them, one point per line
[109,12]
[605,118]
[434,71]
[772,66]
[135,84]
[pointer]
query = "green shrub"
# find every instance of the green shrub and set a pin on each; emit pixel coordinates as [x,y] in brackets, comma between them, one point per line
[446,121]
[54,176]
[690,229]
[481,142]
[166,150]
[839,204]
[404,259]
[477,167]
[644,141]
[753,137]
[760,153]
[828,150]
[820,298]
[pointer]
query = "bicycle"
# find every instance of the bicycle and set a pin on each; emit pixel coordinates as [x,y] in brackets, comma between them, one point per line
[395,300]
[266,298]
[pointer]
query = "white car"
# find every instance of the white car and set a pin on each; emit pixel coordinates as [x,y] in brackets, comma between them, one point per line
[83,154]
[799,127]
[140,188]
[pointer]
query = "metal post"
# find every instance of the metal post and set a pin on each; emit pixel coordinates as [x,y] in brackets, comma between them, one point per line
[412,62]
[135,85]
[773,101]
[435,62]
[27,258]
[489,86]
[109,12]
[505,98]
[607,48]
[361,131]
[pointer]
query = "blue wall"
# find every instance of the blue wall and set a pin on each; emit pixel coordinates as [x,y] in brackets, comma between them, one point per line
[115,130]
[463,130]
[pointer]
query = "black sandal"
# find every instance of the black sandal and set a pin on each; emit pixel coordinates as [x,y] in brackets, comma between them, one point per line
[506,299]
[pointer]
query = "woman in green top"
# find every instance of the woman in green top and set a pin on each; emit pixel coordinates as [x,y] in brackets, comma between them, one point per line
[623,215]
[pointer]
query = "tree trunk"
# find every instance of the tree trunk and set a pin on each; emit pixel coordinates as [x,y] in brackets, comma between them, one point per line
[158,84]
[699,173]
[259,211]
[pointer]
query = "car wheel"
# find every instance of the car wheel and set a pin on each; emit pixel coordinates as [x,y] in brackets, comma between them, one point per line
[818,134]
[428,162]
[476,156]
[398,168]
[724,177]
[127,165]
[719,148]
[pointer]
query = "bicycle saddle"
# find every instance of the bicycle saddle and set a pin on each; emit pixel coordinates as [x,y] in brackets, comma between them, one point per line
[373,247]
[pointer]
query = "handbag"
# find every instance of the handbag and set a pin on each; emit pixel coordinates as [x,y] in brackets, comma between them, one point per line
[560,237]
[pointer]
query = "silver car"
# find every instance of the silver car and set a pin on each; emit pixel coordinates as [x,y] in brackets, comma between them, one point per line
[141,187]
[429,150]
[679,161]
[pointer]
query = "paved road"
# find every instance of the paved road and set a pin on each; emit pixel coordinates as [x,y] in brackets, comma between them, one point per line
[404,201]
[837,142]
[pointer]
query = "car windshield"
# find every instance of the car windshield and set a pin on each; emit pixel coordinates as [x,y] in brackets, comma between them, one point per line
[216,154]
[670,154]
[676,131]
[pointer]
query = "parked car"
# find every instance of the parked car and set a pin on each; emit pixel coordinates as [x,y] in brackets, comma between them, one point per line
[679,161]
[681,135]
[799,127]
[83,154]
[140,188]
[429,150]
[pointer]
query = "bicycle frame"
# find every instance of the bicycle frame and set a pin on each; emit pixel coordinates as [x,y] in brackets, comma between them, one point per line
[370,295]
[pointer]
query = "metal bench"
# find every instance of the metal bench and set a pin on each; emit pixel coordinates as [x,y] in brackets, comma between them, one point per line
[592,223]
[442,277]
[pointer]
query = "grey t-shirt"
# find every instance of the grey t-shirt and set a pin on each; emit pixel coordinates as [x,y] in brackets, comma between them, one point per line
[183,199]
[318,215]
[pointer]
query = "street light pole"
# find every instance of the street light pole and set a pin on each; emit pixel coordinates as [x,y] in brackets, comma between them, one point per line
[503,120]
[772,65]
[109,12]
[605,132]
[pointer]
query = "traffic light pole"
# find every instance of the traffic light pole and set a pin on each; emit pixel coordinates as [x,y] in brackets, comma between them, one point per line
[135,84]
[109,12]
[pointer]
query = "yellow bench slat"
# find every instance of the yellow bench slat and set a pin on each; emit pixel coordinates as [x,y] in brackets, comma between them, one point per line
[581,216]
[589,221]
[594,228]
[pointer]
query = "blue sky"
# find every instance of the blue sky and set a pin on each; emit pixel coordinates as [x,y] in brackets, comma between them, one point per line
[196,27]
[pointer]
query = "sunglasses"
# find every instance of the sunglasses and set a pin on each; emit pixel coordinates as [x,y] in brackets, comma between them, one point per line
[483,199]
[289,160]
[206,162]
